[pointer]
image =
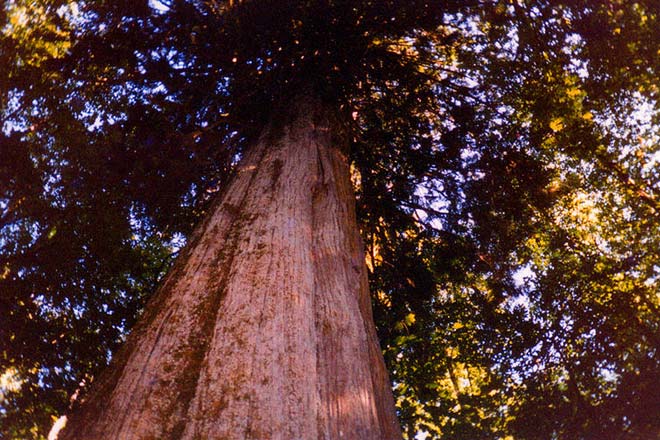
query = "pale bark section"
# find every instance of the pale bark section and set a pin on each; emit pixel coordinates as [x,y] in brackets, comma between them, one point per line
[264,329]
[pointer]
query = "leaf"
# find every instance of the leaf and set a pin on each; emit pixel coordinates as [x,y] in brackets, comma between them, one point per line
[557,124]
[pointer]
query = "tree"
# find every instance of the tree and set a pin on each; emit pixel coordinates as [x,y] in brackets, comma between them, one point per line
[505,194]
[264,327]
[352,404]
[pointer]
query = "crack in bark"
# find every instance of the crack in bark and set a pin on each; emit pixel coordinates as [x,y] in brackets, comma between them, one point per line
[248,429]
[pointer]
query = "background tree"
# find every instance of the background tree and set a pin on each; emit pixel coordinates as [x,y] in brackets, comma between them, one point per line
[504,157]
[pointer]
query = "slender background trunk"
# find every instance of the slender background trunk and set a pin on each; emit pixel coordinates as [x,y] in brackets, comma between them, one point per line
[263,329]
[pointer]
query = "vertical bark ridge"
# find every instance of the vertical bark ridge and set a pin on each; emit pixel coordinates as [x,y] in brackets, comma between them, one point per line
[265,330]
[145,399]
[223,263]
[267,312]
[349,401]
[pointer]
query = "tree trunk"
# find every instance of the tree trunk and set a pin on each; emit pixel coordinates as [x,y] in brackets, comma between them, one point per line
[263,329]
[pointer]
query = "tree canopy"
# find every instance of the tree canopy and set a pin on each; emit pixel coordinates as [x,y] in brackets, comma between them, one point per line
[505,161]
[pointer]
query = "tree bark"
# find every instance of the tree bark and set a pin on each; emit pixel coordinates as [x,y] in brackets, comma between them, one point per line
[263,329]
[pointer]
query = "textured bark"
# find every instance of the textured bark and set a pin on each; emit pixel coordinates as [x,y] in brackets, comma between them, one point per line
[263,329]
